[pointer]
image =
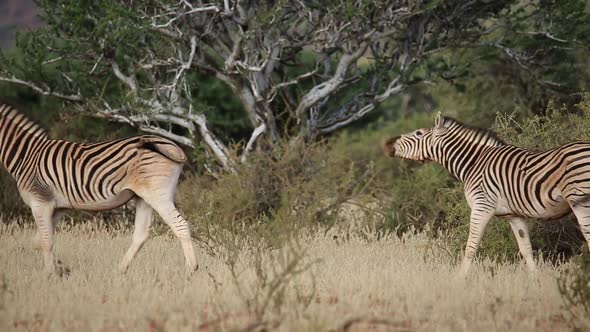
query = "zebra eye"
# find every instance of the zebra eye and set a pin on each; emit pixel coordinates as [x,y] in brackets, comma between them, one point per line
[419,133]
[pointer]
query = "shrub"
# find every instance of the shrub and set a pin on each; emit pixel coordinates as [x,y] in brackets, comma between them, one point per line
[275,193]
[11,204]
[411,196]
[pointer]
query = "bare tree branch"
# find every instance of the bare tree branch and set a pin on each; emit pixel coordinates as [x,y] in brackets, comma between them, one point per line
[216,146]
[544,34]
[296,80]
[143,125]
[289,63]
[128,80]
[250,146]
[177,16]
[323,89]
[45,92]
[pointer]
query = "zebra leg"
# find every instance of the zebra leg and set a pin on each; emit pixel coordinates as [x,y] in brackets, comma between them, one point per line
[43,214]
[480,216]
[582,212]
[521,232]
[143,221]
[179,226]
[57,215]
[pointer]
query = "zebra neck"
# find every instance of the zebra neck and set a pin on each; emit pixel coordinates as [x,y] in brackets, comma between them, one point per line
[460,159]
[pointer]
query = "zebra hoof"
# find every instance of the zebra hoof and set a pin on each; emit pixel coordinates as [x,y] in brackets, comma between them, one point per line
[190,269]
[61,270]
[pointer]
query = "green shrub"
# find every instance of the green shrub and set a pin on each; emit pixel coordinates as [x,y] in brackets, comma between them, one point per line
[11,204]
[410,194]
[275,193]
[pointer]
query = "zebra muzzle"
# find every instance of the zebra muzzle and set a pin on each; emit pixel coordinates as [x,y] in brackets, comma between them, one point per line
[389,146]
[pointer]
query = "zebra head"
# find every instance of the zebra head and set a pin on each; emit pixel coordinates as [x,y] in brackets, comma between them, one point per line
[417,145]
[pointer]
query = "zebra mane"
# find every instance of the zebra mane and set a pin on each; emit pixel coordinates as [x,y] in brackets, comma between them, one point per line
[481,132]
[11,115]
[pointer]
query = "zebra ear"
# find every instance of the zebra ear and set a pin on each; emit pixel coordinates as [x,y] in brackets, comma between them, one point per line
[438,123]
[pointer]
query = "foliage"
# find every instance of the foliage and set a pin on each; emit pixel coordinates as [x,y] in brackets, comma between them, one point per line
[11,204]
[292,69]
[559,125]
[276,194]
[522,61]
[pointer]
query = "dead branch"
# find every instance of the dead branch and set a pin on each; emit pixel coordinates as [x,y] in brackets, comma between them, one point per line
[128,80]
[45,92]
[250,146]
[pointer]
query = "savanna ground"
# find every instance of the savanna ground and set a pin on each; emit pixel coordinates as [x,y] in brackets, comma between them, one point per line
[323,280]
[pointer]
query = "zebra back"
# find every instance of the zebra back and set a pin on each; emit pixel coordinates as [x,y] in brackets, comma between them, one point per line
[19,138]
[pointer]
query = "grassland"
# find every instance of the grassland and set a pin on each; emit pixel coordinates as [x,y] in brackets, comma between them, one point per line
[324,280]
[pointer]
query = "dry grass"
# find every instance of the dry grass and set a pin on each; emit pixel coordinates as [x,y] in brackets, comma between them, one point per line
[366,281]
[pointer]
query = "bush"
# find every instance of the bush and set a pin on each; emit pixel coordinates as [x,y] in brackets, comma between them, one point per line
[11,204]
[276,193]
[411,195]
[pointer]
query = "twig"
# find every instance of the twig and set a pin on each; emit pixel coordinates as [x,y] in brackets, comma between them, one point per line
[544,34]
[40,90]
[211,8]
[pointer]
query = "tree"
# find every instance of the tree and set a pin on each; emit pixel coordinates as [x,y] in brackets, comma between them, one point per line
[300,68]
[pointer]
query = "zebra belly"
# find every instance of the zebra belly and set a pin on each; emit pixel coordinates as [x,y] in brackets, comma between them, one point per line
[109,203]
[552,210]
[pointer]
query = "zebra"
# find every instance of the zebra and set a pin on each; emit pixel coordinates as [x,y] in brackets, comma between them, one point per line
[501,179]
[54,176]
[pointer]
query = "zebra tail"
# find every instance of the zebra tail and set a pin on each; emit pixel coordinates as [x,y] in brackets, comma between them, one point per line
[164,147]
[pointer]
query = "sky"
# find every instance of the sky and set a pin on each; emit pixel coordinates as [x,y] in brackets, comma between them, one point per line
[16,15]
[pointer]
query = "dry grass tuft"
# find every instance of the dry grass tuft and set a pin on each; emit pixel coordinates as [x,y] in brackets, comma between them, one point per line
[322,281]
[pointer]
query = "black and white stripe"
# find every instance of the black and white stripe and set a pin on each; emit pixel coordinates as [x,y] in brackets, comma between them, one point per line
[504,180]
[55,175]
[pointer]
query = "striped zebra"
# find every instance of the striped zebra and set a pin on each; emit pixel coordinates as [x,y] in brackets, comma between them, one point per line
[55,175]
[504,180]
